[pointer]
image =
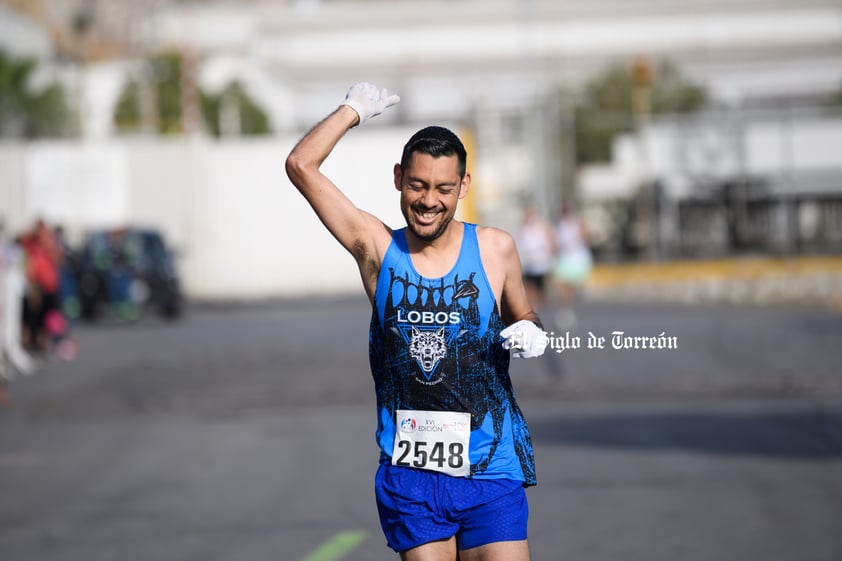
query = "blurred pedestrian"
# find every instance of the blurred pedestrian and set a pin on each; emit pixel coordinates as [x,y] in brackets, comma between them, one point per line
[68,287]
[573,263]
[57,320]
[5,398]
[120,277]
[5,368]
[42,295]
[536,247]
[12,291]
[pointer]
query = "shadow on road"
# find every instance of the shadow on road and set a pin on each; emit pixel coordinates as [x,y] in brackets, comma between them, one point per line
[797,435]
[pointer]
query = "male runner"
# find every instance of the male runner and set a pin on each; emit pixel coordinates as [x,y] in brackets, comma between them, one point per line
[455,450]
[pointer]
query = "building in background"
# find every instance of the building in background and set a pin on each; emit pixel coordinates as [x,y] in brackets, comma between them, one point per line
[509,70]
[506,73]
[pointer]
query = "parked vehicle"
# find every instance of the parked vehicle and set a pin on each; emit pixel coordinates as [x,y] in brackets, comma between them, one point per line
[125,271]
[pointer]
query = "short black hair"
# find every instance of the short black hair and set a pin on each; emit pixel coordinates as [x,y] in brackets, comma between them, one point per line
[436,142]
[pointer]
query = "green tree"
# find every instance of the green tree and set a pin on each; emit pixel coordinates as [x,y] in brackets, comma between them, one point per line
[24,112]
[252,119]
[127,113]
[164,87]
[606,108]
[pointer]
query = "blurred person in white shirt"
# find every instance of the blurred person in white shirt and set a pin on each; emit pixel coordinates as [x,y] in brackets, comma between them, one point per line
[536,247]
[12,287]
[573,264]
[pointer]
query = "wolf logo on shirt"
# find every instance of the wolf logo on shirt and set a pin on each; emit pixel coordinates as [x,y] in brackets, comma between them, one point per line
[429,317]
[427,347]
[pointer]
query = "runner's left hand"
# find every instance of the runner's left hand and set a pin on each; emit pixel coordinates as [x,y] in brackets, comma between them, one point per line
[524,339]
[368,100]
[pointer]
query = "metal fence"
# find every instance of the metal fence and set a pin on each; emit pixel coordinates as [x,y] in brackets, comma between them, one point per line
[730,182]
[783,225]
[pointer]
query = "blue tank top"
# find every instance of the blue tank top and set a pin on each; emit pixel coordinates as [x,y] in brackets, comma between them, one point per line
[435,345]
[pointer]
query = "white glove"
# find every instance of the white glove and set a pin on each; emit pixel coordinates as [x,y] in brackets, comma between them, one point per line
[367,100]
[525,339]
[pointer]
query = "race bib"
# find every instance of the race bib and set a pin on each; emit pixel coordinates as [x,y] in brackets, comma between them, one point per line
[433,440]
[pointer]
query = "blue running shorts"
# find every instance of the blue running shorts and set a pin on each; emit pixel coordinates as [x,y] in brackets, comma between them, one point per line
[418,506]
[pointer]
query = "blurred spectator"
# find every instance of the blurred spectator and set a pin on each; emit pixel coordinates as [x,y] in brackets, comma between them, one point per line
[573,264]
[120,277]
[43,283]
[12,288]
[68,288]
[5,398]
[534,240]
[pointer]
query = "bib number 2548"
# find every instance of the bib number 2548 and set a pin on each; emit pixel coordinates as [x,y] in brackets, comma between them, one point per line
[433,440]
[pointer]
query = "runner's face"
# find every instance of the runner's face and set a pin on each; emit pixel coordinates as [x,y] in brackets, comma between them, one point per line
[430,188]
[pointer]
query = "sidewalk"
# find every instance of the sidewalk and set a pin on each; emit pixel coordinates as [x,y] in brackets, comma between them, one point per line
[814,281]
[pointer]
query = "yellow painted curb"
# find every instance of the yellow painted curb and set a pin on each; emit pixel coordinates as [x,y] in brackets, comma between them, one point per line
[611,275]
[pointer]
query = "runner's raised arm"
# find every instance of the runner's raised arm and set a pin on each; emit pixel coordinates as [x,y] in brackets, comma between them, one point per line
[355,229]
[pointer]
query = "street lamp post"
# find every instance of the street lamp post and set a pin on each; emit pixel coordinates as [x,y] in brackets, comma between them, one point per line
[641,104]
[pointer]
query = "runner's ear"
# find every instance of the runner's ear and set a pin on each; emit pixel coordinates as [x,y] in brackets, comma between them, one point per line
[398,176]
[465,185]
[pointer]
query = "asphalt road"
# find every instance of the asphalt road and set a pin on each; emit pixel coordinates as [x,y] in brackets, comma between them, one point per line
[246,432]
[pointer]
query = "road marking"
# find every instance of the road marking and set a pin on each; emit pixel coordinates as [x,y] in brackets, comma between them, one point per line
[337,546]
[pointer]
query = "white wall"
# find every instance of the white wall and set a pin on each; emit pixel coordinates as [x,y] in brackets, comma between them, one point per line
[13,213]
[240,227]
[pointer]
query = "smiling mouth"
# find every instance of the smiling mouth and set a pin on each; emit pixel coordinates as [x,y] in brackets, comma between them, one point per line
[426,217]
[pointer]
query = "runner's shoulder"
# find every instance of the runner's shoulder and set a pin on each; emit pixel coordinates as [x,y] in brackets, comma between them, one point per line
[495,240]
